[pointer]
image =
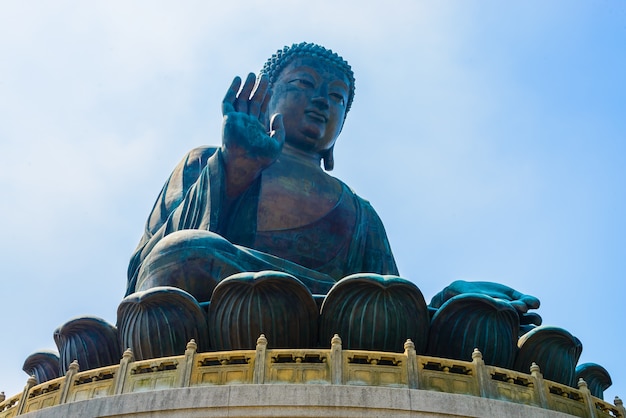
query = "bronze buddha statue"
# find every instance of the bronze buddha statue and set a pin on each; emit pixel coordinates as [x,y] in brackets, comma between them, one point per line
[253,236]
[261,201]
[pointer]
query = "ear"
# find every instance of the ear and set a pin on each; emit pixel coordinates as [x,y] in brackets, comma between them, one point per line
[329,159]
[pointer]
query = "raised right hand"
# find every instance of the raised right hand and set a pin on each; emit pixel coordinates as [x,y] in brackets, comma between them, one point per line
[247,146]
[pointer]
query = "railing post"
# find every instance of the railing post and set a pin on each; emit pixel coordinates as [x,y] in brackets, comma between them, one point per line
[411,364]
[540,388]
[122,371]
[484,381]
[68,381]
[336,361]
[32,381]
[591,406]
[260,359]
[619,405]
[188,363]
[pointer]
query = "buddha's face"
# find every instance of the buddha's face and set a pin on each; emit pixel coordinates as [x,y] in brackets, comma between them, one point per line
[312,96]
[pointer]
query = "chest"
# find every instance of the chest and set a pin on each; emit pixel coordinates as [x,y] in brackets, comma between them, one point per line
[292,198]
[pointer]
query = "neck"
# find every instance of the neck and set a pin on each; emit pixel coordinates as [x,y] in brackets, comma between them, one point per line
[312,159]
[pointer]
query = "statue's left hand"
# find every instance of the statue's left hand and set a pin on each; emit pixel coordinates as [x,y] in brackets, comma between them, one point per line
[520,301]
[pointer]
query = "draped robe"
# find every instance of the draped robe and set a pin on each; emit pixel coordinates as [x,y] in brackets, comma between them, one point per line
[194,198]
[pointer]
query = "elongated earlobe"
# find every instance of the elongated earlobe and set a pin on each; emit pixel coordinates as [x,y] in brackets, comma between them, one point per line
[329,159]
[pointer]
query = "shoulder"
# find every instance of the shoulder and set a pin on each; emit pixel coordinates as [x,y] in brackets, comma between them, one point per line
[199,155]
[189,168]
[363,203]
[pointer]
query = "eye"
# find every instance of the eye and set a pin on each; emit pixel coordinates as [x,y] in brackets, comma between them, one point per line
[338,98]
[302,82]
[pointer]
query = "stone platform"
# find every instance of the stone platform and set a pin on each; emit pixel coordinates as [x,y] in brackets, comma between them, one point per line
[293,401]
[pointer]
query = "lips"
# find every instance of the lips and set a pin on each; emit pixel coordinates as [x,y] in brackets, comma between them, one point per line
[317,115]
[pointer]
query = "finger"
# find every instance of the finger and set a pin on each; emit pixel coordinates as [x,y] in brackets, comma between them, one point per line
[277,129]
[530,301]
[258,96]
[530,318]
[519,306]
[264,106]
[231,96]
[241,104]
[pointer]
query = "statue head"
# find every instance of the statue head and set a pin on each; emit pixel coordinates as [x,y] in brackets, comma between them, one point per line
[279,61]
[286,59]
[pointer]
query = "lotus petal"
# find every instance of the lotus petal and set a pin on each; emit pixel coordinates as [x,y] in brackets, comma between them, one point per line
[474,320]
[90,340]
[555,351]
[375,312]
[276,304]
[160,321]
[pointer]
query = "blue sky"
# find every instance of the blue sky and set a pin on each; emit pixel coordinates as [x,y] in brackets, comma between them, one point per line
[489,136]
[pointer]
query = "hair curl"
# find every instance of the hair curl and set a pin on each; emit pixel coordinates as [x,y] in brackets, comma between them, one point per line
[279,61]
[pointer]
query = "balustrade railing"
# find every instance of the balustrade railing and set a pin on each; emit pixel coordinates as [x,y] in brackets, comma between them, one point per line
[333,366]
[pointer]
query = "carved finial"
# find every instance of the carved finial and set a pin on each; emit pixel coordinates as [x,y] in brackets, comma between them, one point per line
[534,368]
[477,355]
[617,402]
[74,366]
[191,345]
[409,345]
[336,340]
[582,383]
[2,397]
[128,354]
[261,340]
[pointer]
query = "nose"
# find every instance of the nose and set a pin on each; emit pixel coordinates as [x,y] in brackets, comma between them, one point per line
[320,98]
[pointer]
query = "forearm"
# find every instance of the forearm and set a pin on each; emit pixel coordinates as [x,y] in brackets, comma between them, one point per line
[241,171]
